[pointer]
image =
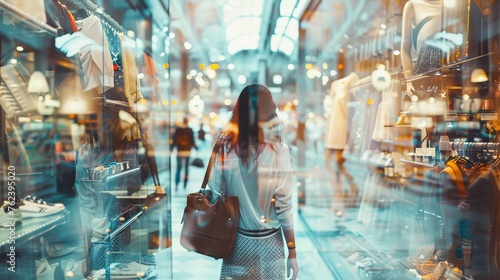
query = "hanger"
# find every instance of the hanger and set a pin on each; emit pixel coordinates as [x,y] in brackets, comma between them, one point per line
[81,14]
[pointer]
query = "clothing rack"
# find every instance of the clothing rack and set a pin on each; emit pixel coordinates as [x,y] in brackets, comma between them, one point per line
[108,20]
[367,80]
[475,146]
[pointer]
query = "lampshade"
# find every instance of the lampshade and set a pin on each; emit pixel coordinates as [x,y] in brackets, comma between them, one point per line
[478,76]
[38,83]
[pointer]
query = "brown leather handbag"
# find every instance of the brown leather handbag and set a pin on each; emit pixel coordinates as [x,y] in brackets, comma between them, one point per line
[210,228]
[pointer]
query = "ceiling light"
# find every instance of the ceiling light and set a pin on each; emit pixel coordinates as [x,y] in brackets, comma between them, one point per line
[140,75]
[13,61]
[333,73]
[396,52]
[131,33]
[171,35]
[383,26]
[193,72]
[227,102]
[38,83]
[187,45]
[295,102]
[242,79]
[324,80]
[291,67]
[230,66]
[19,48]
[165,29]
[325,65]
[277,79]
[478,76]
[162,54]
[189,76]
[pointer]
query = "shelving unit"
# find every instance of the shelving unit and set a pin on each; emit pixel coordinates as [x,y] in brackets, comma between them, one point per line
[417,163]
[32,228]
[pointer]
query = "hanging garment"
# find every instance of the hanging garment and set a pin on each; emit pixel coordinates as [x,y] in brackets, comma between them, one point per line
[92,46]
[483,215]
[132,85]
[150,73]
[454,181]
[387,112]
[337,123]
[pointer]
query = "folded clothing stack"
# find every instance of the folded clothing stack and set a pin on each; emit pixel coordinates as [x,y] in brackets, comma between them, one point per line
[102,172]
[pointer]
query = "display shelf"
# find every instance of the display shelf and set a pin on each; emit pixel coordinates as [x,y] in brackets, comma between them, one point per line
[149,202]
[31,228]
[22,16]
[108,178]
[143,193]
[417,163]
[408,143]
[438,71]
[399,125]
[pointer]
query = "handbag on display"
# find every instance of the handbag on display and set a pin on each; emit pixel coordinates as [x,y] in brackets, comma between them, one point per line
[210,228]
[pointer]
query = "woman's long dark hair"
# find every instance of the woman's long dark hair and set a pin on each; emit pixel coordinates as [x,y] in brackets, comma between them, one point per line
[255,104]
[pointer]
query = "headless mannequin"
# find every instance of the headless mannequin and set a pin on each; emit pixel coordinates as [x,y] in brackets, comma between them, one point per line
[337,129]
[421,19]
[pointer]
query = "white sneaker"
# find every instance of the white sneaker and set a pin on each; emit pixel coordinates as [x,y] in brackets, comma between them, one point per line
[32,206]
[9,218]
[72,269]
[44,270]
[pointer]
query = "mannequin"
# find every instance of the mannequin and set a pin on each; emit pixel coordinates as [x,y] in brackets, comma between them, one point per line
[337,126]
[421,20]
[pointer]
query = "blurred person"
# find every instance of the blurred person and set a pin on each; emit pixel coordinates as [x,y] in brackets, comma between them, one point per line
[183,140]
[256,167]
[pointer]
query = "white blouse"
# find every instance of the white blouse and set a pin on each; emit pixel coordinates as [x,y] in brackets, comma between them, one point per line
[256,185]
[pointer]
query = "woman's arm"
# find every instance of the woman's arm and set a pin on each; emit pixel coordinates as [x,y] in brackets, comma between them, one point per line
[292,253]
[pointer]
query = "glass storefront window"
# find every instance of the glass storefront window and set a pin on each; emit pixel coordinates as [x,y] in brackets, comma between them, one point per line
[84,139]
[389,109]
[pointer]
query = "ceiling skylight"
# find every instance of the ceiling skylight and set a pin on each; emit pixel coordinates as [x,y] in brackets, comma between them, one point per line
[286,7]
[243,22]
[246,25]
[243,42]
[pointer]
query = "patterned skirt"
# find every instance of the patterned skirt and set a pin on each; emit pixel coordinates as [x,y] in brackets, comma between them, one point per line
[255,256]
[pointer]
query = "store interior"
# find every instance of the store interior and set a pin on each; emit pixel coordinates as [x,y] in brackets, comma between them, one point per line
[389,107]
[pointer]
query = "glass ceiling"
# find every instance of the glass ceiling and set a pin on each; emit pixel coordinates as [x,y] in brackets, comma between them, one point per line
[243,20]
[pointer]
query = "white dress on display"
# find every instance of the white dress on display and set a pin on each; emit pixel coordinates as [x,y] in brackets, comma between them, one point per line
[387,112]
[337,122]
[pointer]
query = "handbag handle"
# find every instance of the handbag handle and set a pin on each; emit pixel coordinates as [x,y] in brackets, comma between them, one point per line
[217,145]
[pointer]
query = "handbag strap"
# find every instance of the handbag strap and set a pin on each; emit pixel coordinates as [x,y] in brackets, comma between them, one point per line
[211,162]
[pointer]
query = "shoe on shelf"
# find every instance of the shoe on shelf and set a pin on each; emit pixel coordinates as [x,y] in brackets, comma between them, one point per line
[72,270]
[44,270]
[32,206]
[9,218]
[54,249]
